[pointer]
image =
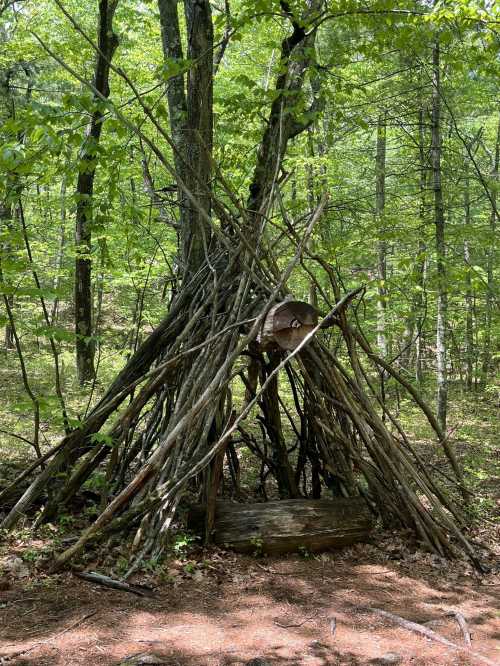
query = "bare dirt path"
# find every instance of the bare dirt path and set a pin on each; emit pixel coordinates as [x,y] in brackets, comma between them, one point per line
[228,610]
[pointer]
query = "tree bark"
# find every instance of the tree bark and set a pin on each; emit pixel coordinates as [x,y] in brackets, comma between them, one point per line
[6,224]
[469,324]
[442,292]
[191,120]
[288,525]
[85,347]
[490,293]
[297,54]
[310,175]
[382,246]
[421,265]
[60,256]
[7,111]
[414,332]
[283,471]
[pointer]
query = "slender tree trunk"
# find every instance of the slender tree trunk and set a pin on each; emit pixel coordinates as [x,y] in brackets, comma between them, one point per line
[420,337]
[469,325]
[97,319]
[421,264]
[60,255]
[442,293]
[5,225]
[323,150]
[490,263]
[414,323]
[85,347]
[382,246]
[7,112]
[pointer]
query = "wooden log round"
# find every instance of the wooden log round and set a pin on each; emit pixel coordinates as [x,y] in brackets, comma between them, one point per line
[287,324]
[288,525]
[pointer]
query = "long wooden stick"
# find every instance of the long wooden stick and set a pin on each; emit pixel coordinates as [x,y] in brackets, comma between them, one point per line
[106,581]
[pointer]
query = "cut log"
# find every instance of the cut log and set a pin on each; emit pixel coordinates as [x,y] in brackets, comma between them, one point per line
[286,526]
[287,324]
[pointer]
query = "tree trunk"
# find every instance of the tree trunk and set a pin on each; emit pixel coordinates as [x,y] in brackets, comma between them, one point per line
[60,255]
[442,293]
[490,292]
[382,246]
[414,324]
[7,111]
[421,264]
[191,121]
[283,471]
[297,53]
[85,347]
[469,328]
[5,225]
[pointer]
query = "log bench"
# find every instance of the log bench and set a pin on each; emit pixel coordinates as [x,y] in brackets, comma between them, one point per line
[286,526]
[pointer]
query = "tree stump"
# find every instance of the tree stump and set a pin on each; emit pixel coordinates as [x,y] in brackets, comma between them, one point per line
[286,526]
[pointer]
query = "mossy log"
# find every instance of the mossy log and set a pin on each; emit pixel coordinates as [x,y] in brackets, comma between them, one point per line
[286,526]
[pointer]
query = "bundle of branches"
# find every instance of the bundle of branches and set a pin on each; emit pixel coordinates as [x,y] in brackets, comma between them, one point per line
[180,415]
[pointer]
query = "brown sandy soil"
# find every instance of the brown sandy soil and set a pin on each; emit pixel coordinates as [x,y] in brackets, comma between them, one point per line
[223,609]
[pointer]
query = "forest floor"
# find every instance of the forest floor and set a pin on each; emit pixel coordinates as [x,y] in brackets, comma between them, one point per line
[211,607]
[221,609]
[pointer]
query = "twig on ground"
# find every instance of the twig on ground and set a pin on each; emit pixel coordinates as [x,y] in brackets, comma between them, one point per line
[462,624]
[431,635]
[288,626]
[106,581]
[280,573]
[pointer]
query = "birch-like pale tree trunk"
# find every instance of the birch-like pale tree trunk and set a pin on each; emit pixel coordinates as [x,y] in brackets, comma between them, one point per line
[469,323]
[380,224]
[439,221]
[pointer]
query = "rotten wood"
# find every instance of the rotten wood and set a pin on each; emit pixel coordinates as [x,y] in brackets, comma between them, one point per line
[288,525]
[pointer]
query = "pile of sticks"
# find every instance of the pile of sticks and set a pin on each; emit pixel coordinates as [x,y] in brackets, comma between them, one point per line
[170,413]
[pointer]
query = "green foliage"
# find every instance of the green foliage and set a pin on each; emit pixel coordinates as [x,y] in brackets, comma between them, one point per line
[257,545]
[181,543]
[366,62]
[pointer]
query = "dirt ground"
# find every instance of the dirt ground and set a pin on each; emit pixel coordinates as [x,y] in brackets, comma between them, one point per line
[222,609]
